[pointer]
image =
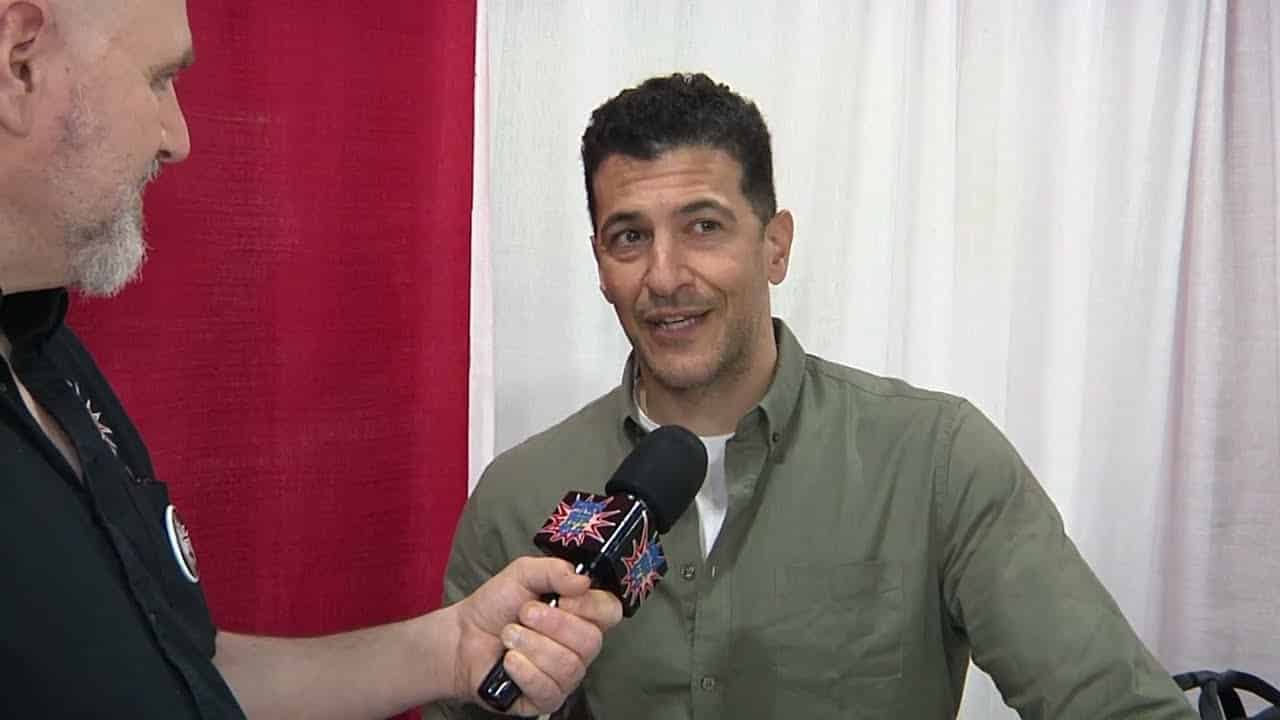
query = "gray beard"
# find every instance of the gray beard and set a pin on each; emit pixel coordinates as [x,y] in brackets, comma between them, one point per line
[107,255]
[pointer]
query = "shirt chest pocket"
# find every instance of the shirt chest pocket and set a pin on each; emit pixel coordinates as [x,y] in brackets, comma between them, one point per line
[838,622]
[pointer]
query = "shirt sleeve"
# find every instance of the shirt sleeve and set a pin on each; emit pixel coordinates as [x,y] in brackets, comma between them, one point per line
[1037,618]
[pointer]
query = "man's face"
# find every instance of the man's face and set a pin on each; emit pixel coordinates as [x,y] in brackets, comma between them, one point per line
[122,120]
[686,264]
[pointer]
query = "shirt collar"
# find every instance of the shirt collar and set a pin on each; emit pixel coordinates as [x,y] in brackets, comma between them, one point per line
[775,409]
[29,317]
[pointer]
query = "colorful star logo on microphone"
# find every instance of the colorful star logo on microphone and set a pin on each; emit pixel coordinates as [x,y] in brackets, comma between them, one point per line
[644,568]
[572,524]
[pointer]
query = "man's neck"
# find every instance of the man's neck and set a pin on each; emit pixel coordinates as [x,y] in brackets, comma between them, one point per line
[29,261]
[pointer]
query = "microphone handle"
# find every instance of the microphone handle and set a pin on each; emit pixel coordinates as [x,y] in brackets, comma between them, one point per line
[498,689]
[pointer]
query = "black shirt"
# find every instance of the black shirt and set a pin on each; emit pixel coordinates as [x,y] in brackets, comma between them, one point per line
[99,615]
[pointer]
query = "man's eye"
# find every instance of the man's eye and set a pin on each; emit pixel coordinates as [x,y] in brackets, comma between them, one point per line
[624,238]
[703,227]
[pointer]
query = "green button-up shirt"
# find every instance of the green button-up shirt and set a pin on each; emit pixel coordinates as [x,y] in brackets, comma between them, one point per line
[877,537]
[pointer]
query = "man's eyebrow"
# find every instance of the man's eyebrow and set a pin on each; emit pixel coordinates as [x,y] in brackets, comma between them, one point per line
[698,206]
[187,59]
[619,217]
[694,207]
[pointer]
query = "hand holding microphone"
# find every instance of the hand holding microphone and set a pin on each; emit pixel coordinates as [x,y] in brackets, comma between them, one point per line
[614,538]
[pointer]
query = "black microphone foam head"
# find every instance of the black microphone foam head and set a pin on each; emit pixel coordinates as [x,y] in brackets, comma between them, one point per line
[665,471]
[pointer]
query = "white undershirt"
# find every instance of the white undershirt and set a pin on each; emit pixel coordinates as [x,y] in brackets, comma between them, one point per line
[712,500]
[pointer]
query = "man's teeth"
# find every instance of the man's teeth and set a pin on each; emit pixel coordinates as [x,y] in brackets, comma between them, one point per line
[668,322]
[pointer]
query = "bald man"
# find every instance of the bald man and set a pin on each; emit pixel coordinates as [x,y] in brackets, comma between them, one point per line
[102,614]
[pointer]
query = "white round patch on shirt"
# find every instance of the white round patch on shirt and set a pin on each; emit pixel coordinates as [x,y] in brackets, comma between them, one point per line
[184,553]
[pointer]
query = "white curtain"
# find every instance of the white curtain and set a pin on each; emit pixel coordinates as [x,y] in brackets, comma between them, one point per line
[1064,211]
[1220,553]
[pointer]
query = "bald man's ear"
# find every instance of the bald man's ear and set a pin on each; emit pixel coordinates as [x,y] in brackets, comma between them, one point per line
[20,25]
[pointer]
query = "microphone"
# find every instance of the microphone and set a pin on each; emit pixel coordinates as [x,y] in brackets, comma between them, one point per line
[614,538]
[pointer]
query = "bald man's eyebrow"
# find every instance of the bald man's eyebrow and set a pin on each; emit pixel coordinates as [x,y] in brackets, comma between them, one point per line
[169,69]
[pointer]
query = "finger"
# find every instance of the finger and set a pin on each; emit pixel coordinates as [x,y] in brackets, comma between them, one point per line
[542,575]
[565,630]
[545,670]
[540,695]
[598,607]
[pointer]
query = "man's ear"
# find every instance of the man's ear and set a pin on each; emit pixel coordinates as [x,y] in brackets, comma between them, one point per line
[777,237]
[21,24]
[595,253]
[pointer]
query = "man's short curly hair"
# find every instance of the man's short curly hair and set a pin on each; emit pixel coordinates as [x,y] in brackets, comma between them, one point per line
[682,110]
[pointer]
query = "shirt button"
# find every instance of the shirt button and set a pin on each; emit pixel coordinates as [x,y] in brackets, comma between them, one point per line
[708,683]
[777,437]
[689,572]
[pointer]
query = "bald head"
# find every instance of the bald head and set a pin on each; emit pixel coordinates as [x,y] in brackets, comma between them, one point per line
[90,26]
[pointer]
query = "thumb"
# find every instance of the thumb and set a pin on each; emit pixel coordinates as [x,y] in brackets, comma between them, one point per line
[542,575]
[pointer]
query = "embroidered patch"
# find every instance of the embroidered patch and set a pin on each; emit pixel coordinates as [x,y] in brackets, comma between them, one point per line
[184,553]
[102,428]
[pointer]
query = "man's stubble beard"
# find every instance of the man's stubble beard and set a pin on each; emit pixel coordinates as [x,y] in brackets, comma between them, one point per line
[728,362]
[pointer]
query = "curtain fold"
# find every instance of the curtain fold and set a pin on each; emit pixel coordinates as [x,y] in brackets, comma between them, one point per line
[1222,570]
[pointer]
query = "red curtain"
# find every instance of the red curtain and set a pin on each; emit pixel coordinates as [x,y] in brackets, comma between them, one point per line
[296,354]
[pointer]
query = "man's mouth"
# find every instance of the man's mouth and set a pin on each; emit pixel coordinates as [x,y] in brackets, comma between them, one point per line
[676,321]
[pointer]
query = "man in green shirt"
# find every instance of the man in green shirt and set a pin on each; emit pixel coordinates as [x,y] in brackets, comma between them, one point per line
[857,539]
